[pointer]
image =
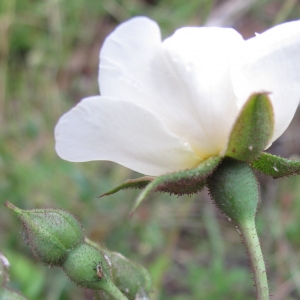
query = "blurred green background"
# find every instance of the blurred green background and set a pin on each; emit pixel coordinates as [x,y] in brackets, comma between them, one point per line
[48,62]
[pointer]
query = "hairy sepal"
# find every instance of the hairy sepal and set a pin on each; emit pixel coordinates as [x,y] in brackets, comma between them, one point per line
[252,130]
[185,182]
[276,166]
[138,183]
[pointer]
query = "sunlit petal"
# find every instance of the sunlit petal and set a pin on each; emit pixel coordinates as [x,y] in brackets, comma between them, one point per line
[271,62]
[184,80]
[99,128]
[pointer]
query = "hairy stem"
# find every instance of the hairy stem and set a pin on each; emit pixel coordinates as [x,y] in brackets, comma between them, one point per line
[112,290]
[250,238]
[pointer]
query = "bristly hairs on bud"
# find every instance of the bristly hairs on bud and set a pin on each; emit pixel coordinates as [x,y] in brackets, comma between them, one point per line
[56,238]
[50,233]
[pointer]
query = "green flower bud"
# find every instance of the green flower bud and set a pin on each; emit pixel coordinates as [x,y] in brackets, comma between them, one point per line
[87,267]
[131,278]
[90,268]
[50,233]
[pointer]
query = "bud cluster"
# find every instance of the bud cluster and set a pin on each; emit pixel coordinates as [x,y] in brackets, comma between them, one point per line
[56,238]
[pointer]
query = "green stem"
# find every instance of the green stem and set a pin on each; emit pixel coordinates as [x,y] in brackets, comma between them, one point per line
[113,291]
[250,238]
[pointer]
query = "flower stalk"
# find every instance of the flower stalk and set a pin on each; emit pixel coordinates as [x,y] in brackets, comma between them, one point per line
[235,190]
[111,289]
[250,239]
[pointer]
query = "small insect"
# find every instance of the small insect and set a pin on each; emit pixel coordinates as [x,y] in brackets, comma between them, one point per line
[99,269]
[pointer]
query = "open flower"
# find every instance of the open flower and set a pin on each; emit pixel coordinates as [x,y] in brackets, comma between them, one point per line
[169,105]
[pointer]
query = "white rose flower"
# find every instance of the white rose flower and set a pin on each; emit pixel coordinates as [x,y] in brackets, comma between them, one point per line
[169,105]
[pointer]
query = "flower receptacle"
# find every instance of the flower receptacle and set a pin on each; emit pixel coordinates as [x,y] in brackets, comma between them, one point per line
[235,190]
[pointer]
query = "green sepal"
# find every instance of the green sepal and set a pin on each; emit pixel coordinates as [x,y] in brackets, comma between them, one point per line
[252,130]
[276,166]
[185,182]
[235,190]
[138,183]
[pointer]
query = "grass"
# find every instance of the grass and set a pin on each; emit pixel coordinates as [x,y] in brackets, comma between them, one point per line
[48,62]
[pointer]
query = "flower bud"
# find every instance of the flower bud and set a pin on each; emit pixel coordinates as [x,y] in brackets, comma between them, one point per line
[132,279]
[50,233]
[87,267]
[90,268]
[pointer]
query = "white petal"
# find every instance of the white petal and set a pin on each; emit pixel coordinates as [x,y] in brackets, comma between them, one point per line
[201,58]
[99,128]
[271,63]
[185,80]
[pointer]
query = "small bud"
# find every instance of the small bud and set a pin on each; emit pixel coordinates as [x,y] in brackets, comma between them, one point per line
[50,233]
[87,267]
[132,279]
[90,268]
